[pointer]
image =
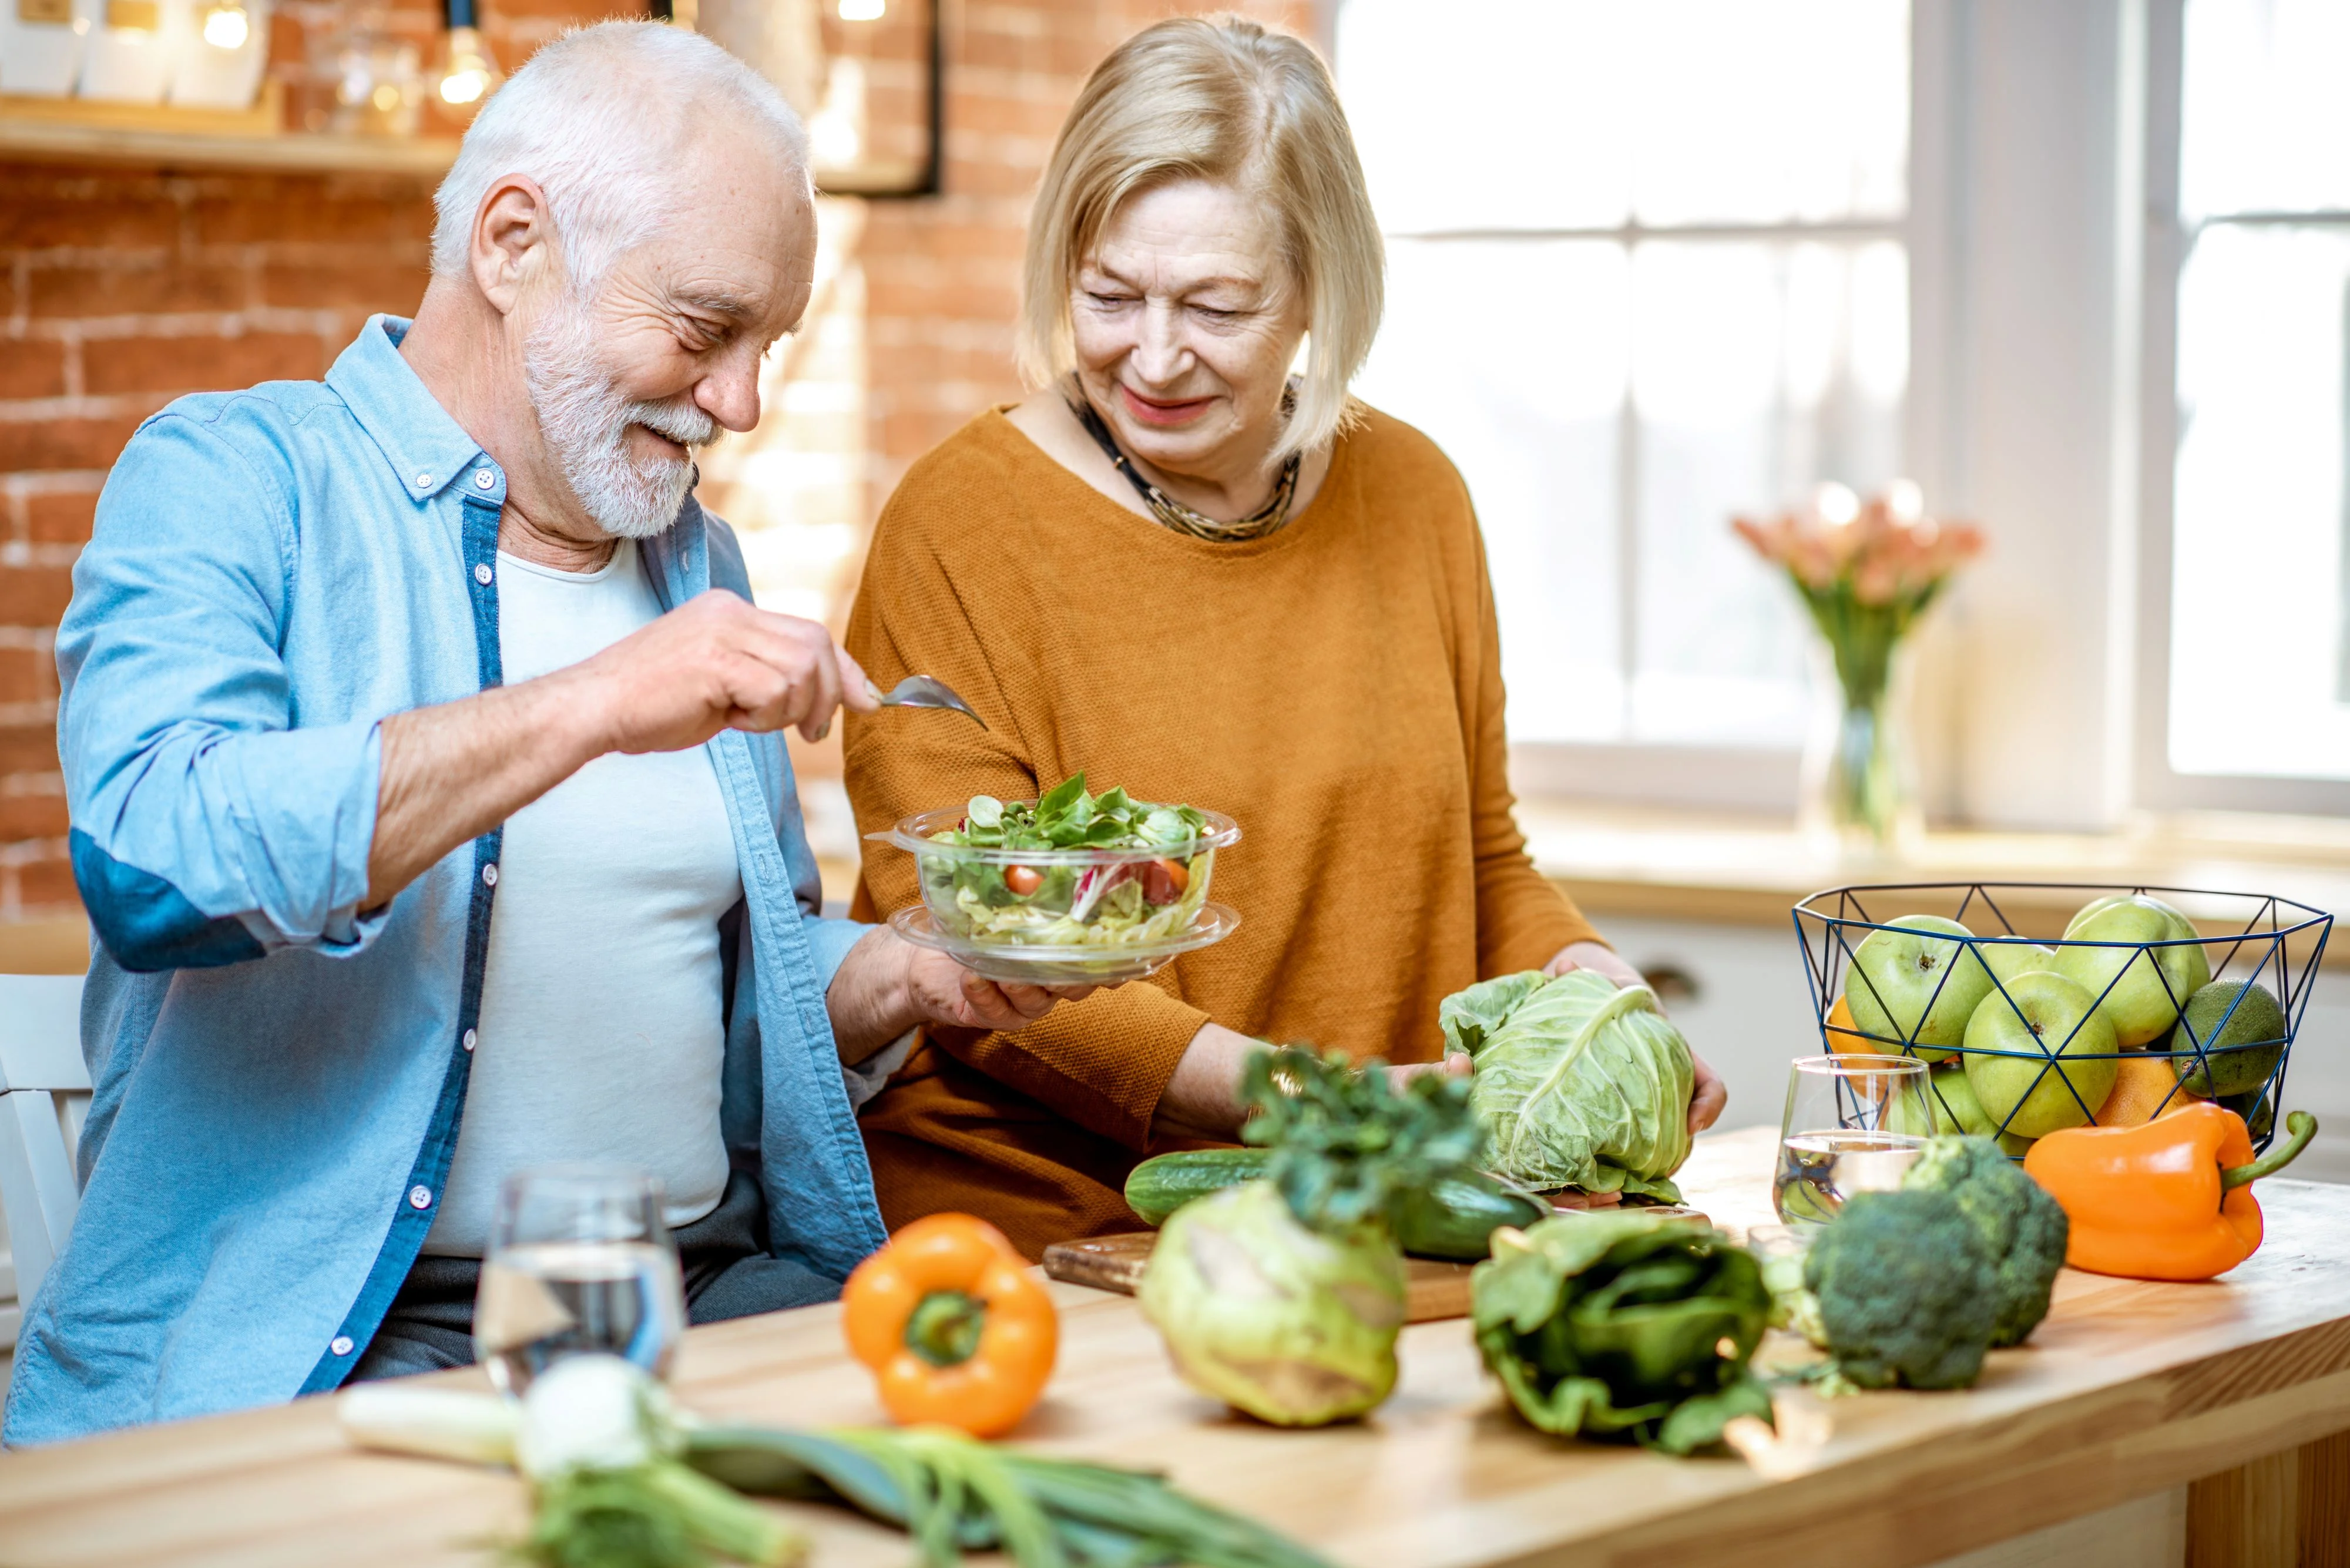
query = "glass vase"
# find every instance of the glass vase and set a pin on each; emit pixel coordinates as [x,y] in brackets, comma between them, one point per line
[1859,784]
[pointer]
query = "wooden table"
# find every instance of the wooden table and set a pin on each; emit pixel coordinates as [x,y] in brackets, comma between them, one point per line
[2128,1390]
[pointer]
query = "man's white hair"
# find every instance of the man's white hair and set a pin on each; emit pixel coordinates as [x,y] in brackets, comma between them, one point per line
[600,118]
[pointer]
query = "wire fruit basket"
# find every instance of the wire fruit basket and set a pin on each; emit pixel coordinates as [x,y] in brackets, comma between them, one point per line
[2043,1005]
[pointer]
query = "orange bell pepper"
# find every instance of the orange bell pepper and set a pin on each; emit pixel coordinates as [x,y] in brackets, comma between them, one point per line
[956,1331]
[2167,1199]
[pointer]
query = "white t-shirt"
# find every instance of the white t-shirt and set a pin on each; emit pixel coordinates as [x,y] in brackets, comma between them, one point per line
[601,1035]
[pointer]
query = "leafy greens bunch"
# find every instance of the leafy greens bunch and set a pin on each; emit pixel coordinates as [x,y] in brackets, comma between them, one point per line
[1068,817]
[1346,1146]
[1282,1296]
[1624,1326]
[1582,1084]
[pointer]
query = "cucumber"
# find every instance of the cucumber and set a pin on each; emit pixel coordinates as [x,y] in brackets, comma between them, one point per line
[1453,1218]
[1456,1216]
[1164,1183]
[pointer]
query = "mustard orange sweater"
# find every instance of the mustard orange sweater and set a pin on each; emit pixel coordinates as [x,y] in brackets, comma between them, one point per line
[1336,688]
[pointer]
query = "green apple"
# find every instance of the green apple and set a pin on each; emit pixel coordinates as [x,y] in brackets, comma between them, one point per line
[2041,1058]
[1950,1108]
[2009,960]
[2098,906]
[2139,990]
[2238,1053]
[1910,985]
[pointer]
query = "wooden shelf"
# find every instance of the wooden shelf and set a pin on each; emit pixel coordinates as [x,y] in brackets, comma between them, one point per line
[73,131]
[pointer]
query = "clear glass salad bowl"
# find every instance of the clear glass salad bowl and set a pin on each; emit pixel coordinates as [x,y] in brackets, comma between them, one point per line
[1048,917]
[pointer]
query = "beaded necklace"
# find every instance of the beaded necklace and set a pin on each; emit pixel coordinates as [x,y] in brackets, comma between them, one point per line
[1265,521]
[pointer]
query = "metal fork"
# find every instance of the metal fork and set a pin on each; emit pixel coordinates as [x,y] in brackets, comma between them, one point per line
[921,692]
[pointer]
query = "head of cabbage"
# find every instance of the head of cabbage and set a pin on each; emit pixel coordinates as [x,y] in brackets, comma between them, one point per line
[1580,1083]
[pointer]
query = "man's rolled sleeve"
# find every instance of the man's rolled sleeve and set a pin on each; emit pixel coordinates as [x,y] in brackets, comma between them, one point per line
[829,944]
[206,829]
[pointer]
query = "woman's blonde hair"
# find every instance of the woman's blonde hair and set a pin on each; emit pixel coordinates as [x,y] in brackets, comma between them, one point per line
[1227,102]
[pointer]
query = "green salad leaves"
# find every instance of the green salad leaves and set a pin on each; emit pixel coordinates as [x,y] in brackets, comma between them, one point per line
[1152,895]
[1068,817]
[1624,1326]
[1581,1084]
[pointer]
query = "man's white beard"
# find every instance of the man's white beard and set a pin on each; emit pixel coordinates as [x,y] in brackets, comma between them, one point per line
[585,420]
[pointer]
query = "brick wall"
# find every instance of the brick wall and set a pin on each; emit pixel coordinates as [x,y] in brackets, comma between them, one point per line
[122,288]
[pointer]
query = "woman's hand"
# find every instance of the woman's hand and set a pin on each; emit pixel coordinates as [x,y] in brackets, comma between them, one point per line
[1709,1097]
[1454,1064]
[887,985]
[1598,958]
[1203,1099]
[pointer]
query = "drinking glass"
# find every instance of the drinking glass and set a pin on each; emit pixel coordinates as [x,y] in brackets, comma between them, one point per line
[580,1261]
[1853,1124]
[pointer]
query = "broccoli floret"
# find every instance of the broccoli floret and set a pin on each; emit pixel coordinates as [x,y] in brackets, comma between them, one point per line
[1905,1287]
[2024,1229]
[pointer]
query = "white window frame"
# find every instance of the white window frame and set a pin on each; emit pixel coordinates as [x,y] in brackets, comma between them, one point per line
[2156,785]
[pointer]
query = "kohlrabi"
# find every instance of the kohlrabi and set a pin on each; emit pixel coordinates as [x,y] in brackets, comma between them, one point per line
[1282,1297]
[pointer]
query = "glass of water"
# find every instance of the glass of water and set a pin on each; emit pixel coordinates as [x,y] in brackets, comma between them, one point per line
[580,1261]
[1851,1127]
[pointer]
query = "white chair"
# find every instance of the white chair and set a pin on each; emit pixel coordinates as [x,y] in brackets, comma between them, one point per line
[44,1094]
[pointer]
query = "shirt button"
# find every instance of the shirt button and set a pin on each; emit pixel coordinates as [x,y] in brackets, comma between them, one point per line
[419,1197]
[340,1345]
[489,875]
[482,574]
[423,480]
[470,1038]
[483,478]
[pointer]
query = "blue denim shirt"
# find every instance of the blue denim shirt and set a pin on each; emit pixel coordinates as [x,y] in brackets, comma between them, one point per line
[279,1075]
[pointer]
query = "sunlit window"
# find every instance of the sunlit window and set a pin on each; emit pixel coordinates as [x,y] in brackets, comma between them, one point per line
[2260,647]
[1646,271]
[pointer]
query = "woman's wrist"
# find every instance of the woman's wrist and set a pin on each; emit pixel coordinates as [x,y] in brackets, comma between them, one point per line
[1201,1100]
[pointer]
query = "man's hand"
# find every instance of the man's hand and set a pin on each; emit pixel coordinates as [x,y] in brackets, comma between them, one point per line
[717,663]
[887,985]
[453,772]
[1706,1104]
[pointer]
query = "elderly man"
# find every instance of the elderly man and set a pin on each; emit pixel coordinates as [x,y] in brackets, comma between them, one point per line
[429,794]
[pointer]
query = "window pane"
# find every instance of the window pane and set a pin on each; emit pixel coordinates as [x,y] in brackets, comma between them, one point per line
[2267,107]
[2257,681]
[1758,370]
[1532,114]
[1457,132]
[1792,111]
[1511,355]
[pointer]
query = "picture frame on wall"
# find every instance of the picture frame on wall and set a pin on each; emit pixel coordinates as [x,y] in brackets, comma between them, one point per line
[863,74]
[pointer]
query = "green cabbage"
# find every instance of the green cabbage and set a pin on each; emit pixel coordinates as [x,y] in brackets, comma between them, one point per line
[1581,1084]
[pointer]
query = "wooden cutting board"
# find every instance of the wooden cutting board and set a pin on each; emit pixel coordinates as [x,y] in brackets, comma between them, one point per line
[1432,1289]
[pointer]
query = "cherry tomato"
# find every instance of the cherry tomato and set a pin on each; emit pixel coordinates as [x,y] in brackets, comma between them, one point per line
[1023,880]
[1163,881]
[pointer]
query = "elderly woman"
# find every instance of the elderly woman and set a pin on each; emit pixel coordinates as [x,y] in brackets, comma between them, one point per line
[1181,569]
